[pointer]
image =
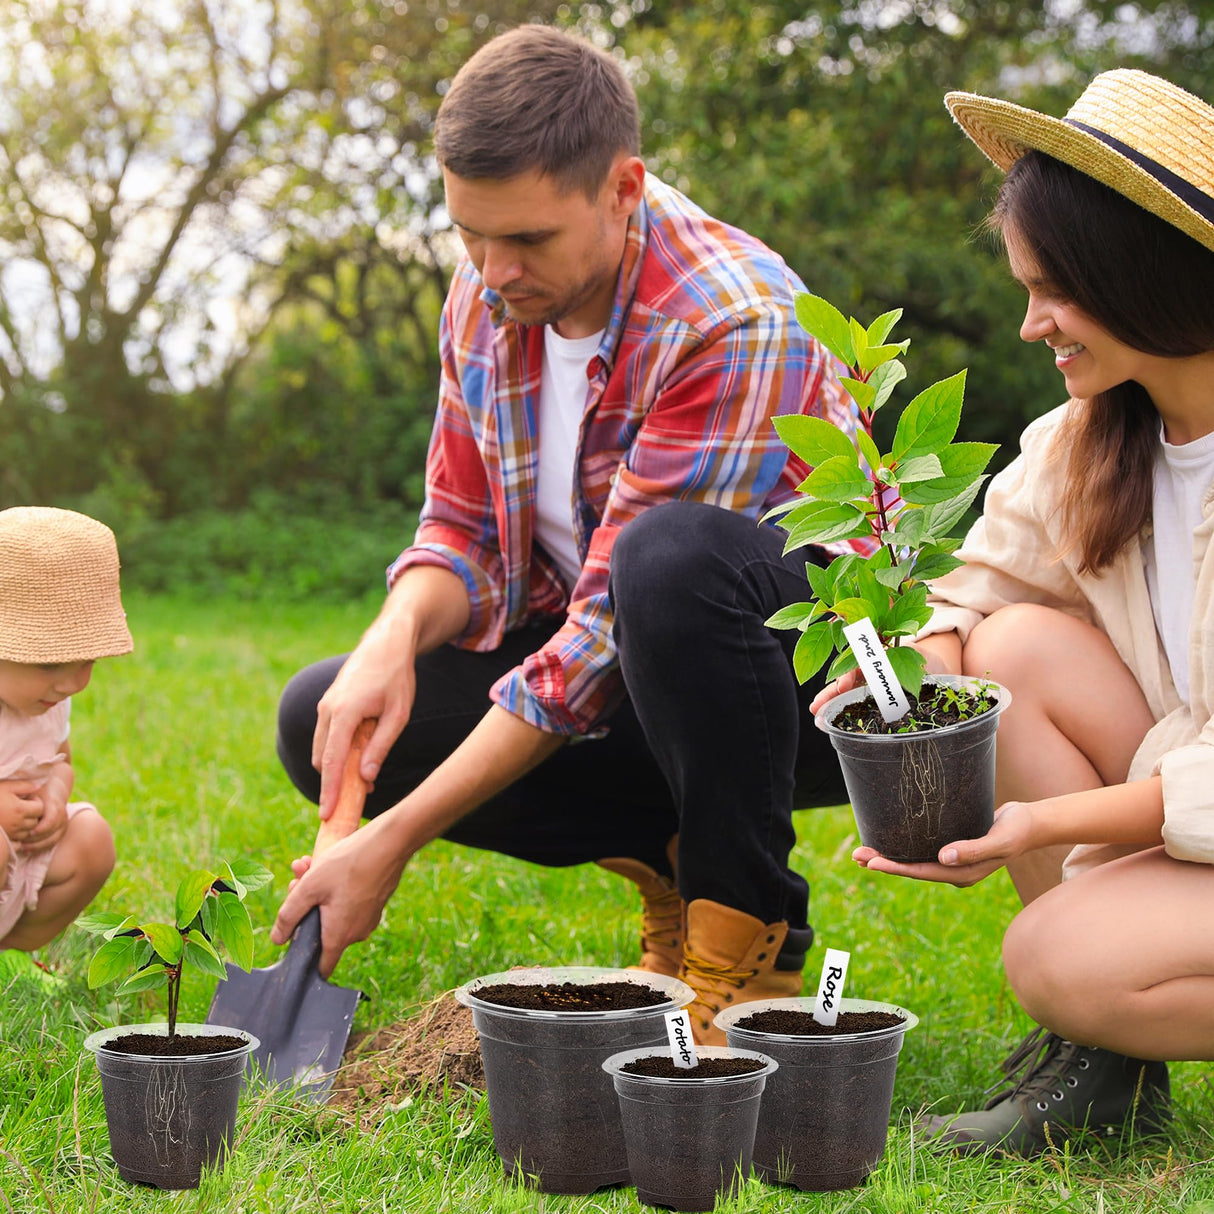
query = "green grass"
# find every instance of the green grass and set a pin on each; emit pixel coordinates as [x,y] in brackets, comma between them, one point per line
[175,745]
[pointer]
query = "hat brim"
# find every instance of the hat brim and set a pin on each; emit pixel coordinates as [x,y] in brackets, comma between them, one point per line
[1004,132]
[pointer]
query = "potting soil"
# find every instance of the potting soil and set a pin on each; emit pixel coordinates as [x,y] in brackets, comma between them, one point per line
[157,1045]
[802,1024]
[571,996]
[657,1066]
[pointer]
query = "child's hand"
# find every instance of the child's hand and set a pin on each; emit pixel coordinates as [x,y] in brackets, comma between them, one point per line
[52,825]
[21,808]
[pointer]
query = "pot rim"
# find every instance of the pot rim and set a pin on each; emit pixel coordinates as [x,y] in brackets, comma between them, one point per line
[678,994]
[727,1021]
[614,1065]
[96,1042]
[825,718]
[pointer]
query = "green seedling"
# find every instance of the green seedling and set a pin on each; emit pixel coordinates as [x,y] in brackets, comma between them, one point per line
[210,914]
[908,498]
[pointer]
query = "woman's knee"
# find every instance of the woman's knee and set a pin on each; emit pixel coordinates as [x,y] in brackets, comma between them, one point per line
[1014,635]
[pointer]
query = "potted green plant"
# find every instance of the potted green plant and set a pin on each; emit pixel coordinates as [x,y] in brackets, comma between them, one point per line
[919,761]
[171,1091]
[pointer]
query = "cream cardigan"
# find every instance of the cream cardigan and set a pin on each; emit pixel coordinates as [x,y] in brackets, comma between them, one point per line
[1014,554]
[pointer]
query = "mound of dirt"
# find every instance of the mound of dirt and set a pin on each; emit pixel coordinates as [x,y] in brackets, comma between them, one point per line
[385,1067]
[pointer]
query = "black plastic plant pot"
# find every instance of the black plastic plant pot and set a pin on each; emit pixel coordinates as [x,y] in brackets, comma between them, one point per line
[825,1114]
[170,1117]
[911,793]
[556,1122]
[689,1140]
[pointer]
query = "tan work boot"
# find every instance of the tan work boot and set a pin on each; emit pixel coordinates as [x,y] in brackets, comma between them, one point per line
[662,912]
[731,957]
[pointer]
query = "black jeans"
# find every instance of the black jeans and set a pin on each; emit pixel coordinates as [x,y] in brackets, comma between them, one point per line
[714,739]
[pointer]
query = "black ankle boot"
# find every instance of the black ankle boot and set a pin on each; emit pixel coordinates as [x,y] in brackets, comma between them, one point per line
[1064,1088]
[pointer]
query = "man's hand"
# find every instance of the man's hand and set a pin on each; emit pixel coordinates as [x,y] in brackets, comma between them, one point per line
[351,884]
[968,861]
[428,606]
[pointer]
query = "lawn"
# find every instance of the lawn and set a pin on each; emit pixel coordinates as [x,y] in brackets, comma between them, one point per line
[175,744]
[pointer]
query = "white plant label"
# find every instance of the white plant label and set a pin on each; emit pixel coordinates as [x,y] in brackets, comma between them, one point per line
[830,986]
[878,673]
[682,1047]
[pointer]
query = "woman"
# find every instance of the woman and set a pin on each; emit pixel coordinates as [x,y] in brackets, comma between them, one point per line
[1089,591]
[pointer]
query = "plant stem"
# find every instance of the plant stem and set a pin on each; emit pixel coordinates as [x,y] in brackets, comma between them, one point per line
[174,995]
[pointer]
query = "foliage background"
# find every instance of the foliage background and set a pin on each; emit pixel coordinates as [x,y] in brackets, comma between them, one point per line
[222,247]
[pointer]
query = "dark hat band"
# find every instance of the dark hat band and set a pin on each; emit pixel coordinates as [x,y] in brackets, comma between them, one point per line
[1188,193]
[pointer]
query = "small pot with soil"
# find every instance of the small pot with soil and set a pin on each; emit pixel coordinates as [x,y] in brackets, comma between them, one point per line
[912,792]
[825,1114]
[690,1132]
[170,1103]
[544,1034]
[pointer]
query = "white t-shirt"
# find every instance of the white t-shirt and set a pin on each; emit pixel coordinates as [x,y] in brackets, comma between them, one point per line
[563,391]
[1183,475]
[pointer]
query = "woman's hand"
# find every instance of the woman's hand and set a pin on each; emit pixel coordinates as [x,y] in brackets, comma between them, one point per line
[967,861]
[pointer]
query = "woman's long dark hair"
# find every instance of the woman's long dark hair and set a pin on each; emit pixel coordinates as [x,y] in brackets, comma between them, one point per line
[1146,283]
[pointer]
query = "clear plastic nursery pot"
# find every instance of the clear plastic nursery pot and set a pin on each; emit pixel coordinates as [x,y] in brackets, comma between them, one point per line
[689,1139]
[912,793]
[553,1109]
[169,1117]
[825,1114]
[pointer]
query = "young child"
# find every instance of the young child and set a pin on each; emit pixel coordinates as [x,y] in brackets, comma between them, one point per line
[60,610]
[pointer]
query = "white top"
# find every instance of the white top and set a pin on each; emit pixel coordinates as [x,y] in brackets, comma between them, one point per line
[1183,475]
[564,388]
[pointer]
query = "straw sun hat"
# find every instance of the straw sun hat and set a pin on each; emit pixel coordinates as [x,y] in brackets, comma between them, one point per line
[1138,134]
[59,599]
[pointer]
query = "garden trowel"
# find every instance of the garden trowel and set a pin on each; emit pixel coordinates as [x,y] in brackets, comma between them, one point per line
[301,1020]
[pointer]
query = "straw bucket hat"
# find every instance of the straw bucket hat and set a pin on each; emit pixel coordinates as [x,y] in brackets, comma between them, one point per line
[59,599]
[1141,136]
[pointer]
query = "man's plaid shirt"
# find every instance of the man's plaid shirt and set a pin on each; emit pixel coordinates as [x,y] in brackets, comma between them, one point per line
[701,351]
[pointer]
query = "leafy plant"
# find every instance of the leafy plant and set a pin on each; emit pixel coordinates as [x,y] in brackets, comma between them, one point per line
[907,499]
[210,913]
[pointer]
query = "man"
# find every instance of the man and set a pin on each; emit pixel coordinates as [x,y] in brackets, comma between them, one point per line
[571,664]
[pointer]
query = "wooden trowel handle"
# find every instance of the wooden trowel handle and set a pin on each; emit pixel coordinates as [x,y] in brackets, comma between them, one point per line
[348,811]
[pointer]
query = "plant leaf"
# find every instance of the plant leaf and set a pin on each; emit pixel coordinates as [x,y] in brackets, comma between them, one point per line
[939,519]
[935,565]
[879,330]
[146,980]
[868,449]
[795,615]
[825,322]
[166,940]
[853,610]
[824,522]
[191,892]
[961,465]
[104,922]
[837,480]
[845,661]
[885,379]
[928,423]
[875,356]
[921,468]
[234,929]
[812,438]
[113,959]
[907,665]
[250,874]
[199,953]
[813,648]
[862,393]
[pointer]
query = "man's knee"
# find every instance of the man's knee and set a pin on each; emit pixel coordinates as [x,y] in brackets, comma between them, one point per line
[666,547]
